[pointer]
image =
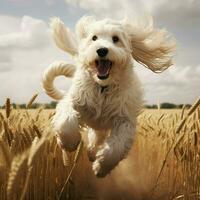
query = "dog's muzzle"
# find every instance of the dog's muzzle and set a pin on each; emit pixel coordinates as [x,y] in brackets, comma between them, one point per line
[103,68]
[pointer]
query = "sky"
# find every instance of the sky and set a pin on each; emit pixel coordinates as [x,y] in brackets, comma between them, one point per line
[27,48]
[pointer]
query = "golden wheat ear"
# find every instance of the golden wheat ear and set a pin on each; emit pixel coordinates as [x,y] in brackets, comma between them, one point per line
[151,47]
[63,37]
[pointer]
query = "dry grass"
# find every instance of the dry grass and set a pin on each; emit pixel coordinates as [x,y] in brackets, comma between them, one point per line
[163,164]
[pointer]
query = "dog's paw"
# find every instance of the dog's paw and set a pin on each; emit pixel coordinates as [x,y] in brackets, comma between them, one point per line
[103,163]
[68,146]
[106,161]
[67,132]
[100,169]
[68,139]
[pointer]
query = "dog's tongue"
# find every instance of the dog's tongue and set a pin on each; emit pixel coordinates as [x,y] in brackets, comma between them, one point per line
[103,67]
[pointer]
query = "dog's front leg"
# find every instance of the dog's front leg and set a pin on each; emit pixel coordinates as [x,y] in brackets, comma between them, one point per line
[95,138]
[115,148]
[66,125]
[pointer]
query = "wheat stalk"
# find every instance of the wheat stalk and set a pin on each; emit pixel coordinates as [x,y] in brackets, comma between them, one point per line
[8,107]
[17,164]
[65,158]
[40,173]
[35,128]
[76,158]
[31,101]
[1,116]
[26,183]
[174,144]
[6,153]
[192,109]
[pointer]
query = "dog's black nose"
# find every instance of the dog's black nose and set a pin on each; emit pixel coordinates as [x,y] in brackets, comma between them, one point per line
[102,52]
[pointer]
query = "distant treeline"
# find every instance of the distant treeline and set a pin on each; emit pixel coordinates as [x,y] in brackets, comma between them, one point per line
[167,106]
[50,105]
[53,104]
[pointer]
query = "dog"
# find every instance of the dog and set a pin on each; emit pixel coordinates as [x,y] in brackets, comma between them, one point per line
[106,95]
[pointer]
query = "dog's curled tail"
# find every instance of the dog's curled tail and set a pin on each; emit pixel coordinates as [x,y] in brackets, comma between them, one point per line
[54,70]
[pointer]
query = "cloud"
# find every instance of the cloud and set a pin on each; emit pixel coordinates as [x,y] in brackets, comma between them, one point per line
[181,13]
[50,2]
[112,8]
[5,66]
[9,24]
[22,34]
[178,84]
[178,13]
[4,57]
[24,58]
[32,34]
[5,61]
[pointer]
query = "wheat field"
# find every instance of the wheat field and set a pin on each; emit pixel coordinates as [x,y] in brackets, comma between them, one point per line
[164,163]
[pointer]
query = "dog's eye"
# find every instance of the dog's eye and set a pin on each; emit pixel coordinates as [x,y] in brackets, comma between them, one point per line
[115,38]
[94,38]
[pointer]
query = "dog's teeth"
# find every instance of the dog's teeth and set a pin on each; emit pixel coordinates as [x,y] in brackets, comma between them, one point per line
[103,68]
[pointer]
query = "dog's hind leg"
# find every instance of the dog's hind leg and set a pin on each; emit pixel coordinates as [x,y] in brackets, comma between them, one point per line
[66,125]
[95,138]
[115,148]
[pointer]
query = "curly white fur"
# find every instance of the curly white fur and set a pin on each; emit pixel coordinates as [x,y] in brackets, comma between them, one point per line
[109,107]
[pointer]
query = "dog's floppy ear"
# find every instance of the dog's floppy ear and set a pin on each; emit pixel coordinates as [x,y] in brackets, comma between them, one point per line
[63,37]
[150,47]
[82,26]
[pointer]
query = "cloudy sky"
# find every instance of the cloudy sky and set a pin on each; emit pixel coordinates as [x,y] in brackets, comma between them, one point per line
[26,46]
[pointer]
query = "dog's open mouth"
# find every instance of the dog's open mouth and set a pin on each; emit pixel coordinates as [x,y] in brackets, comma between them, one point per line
[103,68]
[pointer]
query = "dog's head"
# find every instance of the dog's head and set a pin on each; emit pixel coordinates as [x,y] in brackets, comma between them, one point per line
[106,47]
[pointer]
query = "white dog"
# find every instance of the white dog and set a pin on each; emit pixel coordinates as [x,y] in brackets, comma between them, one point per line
[105,95]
